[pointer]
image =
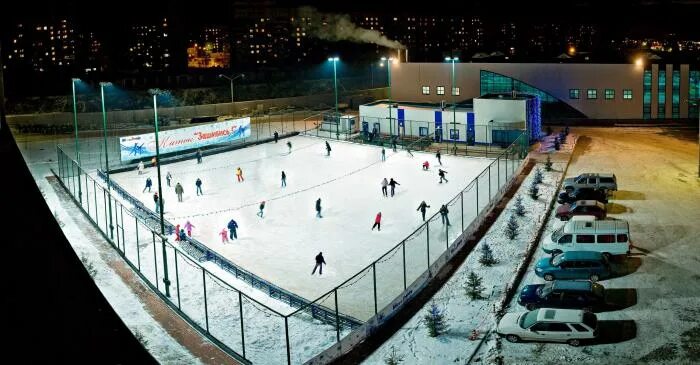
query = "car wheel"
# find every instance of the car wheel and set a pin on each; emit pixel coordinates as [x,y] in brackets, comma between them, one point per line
[594,278]
[569,189]
[574,342]
[531,307]
[512,338]
[548,277]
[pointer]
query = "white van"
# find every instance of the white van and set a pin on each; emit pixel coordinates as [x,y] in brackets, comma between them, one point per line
[609,237]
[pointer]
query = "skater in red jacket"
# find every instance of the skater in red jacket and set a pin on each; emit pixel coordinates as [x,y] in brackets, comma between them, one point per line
[378,221]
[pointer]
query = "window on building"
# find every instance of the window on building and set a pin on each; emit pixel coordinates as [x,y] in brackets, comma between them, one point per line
[646,97]
[454,134]
[440,90]
[694,94]
[455,91]
[426,90]
[676,94]
[661,111]
[592,94]
[627,94]
[574,94]
[422,131]
[609,94]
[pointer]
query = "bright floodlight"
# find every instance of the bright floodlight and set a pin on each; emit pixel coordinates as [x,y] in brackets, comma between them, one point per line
[333,59]
[639,62]
[456,58]
[383,58]
[75,79]
[448,59]
[105,83]
[156,91]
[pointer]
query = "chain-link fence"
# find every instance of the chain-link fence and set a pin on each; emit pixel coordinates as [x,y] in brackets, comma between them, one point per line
[269,331]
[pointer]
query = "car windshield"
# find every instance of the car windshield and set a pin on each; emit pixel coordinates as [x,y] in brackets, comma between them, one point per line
[544,290]
[528,319]
[556,260]
[556,235]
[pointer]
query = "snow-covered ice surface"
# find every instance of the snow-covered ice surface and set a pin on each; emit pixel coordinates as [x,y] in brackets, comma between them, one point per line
[281,246]
[463,314]
[657,286]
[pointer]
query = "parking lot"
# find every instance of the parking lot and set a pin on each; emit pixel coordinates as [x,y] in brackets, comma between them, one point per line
[657,287]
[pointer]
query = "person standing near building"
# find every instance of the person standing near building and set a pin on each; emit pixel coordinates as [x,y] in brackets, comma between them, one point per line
[155,200]
[179,191]
[140,167]
[284,179]
[383,154]
[188,227]
[262,207]
[318,208]
[438,156]
[385,183]
[378,221]
[320,261]
[276,136]
[393,184]
[239,174]
[168,178]
[198,183]
[422,207]
[149,183]
[442,173]
[443,215]
[328,149]
[232,227]
[199,155]
[393,143]
[289,145]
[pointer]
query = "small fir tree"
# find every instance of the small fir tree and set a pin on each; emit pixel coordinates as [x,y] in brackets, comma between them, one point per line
[512,228]
[487,258]
[393,358]
[519,207]
[534,191]
[473,286]
[548,164]
[435,321]
[538,176]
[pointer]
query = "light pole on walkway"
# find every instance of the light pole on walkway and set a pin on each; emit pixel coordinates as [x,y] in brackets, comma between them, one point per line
[454,103]
[231,78]
[104,129]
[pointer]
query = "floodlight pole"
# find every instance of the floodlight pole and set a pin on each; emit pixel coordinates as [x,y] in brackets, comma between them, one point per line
[109,184]
[77,145]
[166,281]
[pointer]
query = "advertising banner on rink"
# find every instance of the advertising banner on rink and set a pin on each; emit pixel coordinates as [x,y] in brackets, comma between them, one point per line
[144,145]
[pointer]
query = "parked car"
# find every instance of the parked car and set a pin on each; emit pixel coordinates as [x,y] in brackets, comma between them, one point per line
[605,182]
[582,194]
[583,233]
[552,325]
[581,207]
[584,295]
[573,265]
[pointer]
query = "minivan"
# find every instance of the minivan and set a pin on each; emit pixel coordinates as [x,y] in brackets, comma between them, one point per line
[609,237]
[573,265]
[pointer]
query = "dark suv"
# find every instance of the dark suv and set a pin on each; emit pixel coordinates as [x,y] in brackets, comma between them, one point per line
[566,197]
[563,294]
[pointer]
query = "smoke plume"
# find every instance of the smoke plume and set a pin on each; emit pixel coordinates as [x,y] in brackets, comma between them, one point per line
[337,27]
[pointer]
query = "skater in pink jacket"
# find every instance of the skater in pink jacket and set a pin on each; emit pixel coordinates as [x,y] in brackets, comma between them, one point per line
[188,227]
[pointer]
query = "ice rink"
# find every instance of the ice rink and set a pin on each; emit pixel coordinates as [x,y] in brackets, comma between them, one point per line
[281,246]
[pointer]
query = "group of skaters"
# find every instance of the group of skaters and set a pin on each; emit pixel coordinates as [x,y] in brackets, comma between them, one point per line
[181,234]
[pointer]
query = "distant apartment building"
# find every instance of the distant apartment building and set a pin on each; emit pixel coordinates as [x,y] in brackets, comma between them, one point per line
[148,46]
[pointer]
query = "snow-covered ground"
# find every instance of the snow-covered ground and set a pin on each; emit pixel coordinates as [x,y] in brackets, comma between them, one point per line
[463,314]
[281,246]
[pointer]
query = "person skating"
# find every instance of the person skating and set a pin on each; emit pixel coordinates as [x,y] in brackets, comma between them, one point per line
[224,236]
[239,174]
[149,183]
[328,149]
[188,227]
[385,183]
[443,214]
[383,154]
[426,166]
[438,156]
[378,222]
[289,145]
[319,264]
[155,200]
[262,207]
[199,156]
[276,136]
[168,178]
[183,235]
[318,208]
[284,179]
[198,183]
[179,191]
[393,184]
[393,143]
[140,167]
[422,207]
[177,232]
[232,227]
[442,173]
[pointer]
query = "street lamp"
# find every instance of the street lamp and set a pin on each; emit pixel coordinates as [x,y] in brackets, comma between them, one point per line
[389,61]
[77,150]
[335,60]
[454,104]
[166,281]
[231,79]
[104,129]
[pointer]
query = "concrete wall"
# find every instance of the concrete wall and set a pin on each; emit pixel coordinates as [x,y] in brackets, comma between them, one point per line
[501,112]
[555,79]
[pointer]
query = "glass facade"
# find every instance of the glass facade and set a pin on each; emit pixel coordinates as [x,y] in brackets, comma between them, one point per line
[627,94]
[492,82]
[661,111]
[574,93]
[676,94]
[609,94]
[592,94]
[647,95]
[694,94]
[440,90]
